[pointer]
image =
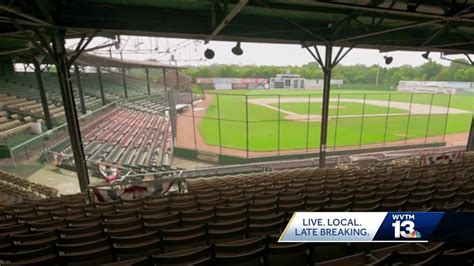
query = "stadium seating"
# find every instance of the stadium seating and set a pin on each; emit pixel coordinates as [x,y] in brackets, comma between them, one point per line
[15,189]
[124,136]
[236,220]
[19,93]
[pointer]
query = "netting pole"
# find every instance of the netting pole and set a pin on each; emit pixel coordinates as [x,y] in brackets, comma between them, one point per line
[337,120]
[101,86]
[362,121]
[177,80]
[247,122]
[409,116]
[172,113]
[447,116]
[26,153]
[219,123]
[42,92]
[194,122]
[67,94]
[13,158]
[147,74]
[79,89]
[325,112]
[164,79]
[429,118]
[124,80]
[470,140]
[307,122]
[386,119]
[278,133]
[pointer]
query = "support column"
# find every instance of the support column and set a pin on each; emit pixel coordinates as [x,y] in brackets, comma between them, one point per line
[79,89]
[470,141]
[124,83]
[325,110]
[177,79]
[147,81]
[164,79]
[101,86]
[44,97]
[172,113]
[70,109]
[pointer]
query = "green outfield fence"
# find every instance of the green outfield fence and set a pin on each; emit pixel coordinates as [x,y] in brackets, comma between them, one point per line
[253,124]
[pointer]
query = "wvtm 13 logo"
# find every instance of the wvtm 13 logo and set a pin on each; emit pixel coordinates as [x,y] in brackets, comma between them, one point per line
[404,226]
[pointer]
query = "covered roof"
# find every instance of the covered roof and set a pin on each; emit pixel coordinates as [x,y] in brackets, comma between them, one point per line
[87,59]
[442,25]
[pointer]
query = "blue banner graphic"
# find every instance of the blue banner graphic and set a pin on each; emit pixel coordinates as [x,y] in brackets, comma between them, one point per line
[378,227]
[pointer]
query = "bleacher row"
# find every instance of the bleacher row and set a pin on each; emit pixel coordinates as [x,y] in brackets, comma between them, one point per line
[154,106]
[15,189]
[236,220]
[135,86]
[125,137]
[158,105]
[13,125]
[19,93]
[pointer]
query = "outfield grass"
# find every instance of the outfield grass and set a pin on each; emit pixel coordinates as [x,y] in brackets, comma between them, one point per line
[268,130]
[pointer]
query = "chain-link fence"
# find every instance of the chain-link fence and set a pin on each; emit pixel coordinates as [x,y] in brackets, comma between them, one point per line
[269,123]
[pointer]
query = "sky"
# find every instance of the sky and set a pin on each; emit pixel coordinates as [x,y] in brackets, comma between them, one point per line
[191,52]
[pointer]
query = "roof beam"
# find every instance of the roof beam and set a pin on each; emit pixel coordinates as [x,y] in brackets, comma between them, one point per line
[24,15]
[227,19]
[354,14]
[80,48]
[381,10]
[469,58]
[435,34]
[411,25]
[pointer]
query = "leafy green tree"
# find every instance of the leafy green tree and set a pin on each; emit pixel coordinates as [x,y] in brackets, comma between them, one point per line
[354,74]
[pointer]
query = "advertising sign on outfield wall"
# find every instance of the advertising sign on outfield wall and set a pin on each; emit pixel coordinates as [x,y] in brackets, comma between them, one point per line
[204,81]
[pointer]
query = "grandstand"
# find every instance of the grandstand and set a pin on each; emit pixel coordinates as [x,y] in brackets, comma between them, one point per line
[221,219]
[16,190]
[126,137]
[135,134]
[147,211]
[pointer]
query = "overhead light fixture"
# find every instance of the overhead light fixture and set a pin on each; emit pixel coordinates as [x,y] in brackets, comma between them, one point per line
[388,60]
[237,50]
[209,53]
[426,55]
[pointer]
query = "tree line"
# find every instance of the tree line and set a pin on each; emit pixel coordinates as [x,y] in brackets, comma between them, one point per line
[355,74]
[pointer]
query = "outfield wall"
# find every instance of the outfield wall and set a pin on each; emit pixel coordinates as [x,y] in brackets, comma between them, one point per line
[447,87]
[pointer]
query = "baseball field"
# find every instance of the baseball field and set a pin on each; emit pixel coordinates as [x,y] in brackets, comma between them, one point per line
[269,120]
